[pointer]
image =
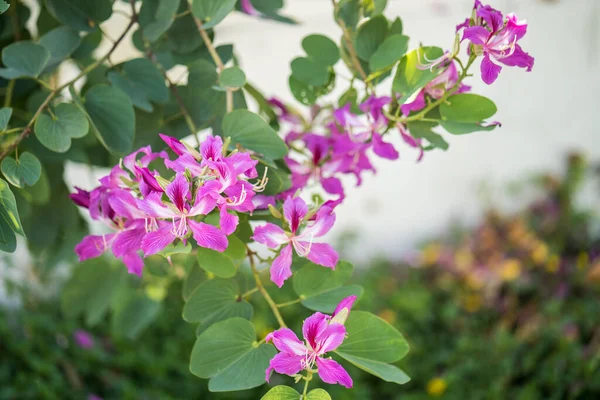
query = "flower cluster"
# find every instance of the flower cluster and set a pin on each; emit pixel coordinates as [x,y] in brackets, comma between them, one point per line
[148,212]
[322,334]
[495,37]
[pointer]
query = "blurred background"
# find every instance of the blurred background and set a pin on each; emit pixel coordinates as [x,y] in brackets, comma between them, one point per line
[485,256]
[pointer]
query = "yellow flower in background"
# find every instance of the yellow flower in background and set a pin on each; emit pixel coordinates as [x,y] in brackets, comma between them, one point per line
[474,281]
[539,255]
[436,387]
[388,315]
[431,254]
[463,259]
[472,302]
[553,263]
[583,259]
[510,269]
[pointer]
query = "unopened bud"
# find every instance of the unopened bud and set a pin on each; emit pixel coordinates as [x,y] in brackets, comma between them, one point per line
[275,212]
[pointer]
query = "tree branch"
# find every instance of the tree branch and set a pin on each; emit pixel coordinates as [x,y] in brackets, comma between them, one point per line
[264,292]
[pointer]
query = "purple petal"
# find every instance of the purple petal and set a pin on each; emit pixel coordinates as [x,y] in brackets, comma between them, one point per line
[134,263]
[383,149]
[285,340]
[476,35]
[84,339]
[286,364]
[282,266]
[206,201]
[178,191]
[228,222]
[242,163]
[81,198]
[415,105]
[211,148]
[208,236]
[270,235]
[320,253]
[347,303]
[491,16]
[333,186]
[294,211]
[331,372]
[323,223]
[93,246]
[313,326]
[153,206]
[149,181]
[174,144]
[261,202]
[518,58]
[157,240]
[185,162]
[330,338]
[489,70]
[516,27]
[128,241]
[124,204]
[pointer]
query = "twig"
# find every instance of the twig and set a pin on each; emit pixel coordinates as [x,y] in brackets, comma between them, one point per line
[263,291]
[289,303]
[9,92]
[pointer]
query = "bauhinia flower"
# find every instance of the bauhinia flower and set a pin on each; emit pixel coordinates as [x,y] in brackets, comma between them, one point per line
[295,212]
[496,39]
[322,334]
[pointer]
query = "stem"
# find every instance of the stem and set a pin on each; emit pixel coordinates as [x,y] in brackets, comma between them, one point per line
[59,89]
[216,58]
[9,92]
[250,292]
[262,290]
[13,130]
[307,380]
[289,303]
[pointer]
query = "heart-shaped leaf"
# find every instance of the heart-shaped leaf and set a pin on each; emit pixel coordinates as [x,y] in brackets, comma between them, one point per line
[370,35]
[56,132]
[5,114]
[233,78]
[23,59]
[25,171]
[387,372]
[8,209]
[3,6]
[80,15]
[467,107]
[217,263]
[60,42]
[310,71]
[211,12]
[389,52]
[252,132]
[229,355]
[318,394]
[321,49]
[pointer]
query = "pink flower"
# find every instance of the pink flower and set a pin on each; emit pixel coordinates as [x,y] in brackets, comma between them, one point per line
[84,339]
[497,40]
[322,334]
[271,235]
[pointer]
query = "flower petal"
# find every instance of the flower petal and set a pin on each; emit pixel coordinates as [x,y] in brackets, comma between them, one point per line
[208,236]
[330,338]
[321,253]
[286,364]
[228,222]
[476,35]
[270,235]
[124,204]
[178,191]
[294,211]
[333,186]
[282,266]
[211,148]
[285,340]
[134,263]
[157,240]
[313,326]
[322,224]
[489,70]
[153,206]
[93,246]
[331,372]
[174,144]
[384,149]
[518,58]
[128,241]
[347,303]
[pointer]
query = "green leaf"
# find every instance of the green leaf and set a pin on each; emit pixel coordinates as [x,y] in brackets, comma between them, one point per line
[232,78]
[23,59]
[133,315]
[173,249]
[409,78]
[8,240]
[281,392]
[372,338]
[461,128]
[26,170]
[219,264]
[3,6]
[215,300]
[390,51]
[304,93]
[8,209]
[5,114]
[236,250]
[55,133]
[327,301]
[38,193]
[386,372]
[60,42]
[396,27]
[318,394]
[279,180]
[252,132]
[321,49]
[112,117]
[374,7]
[349,12]
[422,130]
[211,12]
[194,278]
[310,71]
[156,17]
[141,81]
[467,107]
[80,15]
[370,36]
[228,354]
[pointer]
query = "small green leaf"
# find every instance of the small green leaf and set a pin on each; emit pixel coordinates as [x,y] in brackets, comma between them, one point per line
[141,81]
[8,209]
[112,117]
[23,59]
[236,250]
[321,49]
[25,171]
[313,279]
[55,133]
[390,51]
[173,249]
[370,35]
[372,338]
[387,372]
[396,27]
[233,78]
[60,42]
[318,394]
[327,301]
[409,78]
[310,71]
[467,107]
[252,132]
[219,264]
[211,12]
[281,392]
[215,300]
[3,7]
[38,193]
[80,15]
[133,315]
[304,93]
[374,7]
[228,354]
[5,114]
[156,17]
[423,130]
[279,180]
[8,240]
